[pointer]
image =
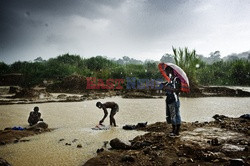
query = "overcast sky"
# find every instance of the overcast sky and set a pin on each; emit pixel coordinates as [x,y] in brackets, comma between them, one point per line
[141,29]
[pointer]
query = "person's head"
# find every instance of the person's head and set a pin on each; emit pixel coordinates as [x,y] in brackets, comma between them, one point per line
[99,104]
[169,70]
[36,109]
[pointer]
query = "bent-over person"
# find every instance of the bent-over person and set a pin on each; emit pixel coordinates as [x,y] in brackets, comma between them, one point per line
[114,109]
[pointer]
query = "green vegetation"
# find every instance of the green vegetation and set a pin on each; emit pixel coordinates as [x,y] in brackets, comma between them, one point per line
[233,72]
[188,61]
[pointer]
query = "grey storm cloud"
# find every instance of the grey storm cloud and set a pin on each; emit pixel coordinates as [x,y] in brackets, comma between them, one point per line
[142,29]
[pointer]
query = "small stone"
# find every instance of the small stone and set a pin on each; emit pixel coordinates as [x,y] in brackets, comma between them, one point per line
[79,146]
[99,150]
[191,160]
[117,144]
[216,160]
[61,139]
[215,142]
[16,141]
[154,147]
[68,144]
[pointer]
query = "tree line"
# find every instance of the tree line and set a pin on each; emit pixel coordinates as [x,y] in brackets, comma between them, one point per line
[235,72]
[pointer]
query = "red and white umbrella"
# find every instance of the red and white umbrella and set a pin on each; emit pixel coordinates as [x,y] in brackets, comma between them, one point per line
[177,72]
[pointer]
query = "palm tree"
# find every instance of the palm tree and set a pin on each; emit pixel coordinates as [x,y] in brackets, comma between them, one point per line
[189,62]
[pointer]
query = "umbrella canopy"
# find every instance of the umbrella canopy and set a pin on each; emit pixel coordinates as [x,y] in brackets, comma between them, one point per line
[177,72]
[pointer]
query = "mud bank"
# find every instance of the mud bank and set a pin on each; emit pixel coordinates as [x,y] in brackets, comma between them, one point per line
[18,134]
[40,95]
[17,95]
[224,141]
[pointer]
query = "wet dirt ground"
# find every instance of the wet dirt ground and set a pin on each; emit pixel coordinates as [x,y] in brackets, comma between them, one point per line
[224,141]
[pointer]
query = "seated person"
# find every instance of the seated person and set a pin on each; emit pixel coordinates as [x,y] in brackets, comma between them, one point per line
[34,117]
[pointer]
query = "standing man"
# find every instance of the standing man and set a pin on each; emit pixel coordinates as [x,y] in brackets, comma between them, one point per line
[114,109]
[172,101]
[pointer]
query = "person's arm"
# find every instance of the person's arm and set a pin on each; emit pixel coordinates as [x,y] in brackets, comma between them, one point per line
[170,89]
[39,117]
[105,115]
[177,89]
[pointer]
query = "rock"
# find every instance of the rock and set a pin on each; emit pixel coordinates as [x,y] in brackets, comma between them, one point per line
[215,142]
[79,146]
[216,160]
[191,160]
[2,143]
[129,127]
[62,139]
[128,158]
[117,144]
[236,162]
[99,150]
[245,116]
[4,162]
[141,125]
[68,144]
[219,118]
[16,141]
[62,96]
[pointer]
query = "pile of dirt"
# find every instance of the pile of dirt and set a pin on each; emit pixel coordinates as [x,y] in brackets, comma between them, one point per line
[16,134]
[225,141]
[31,94]
[224,92]
[70,84]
